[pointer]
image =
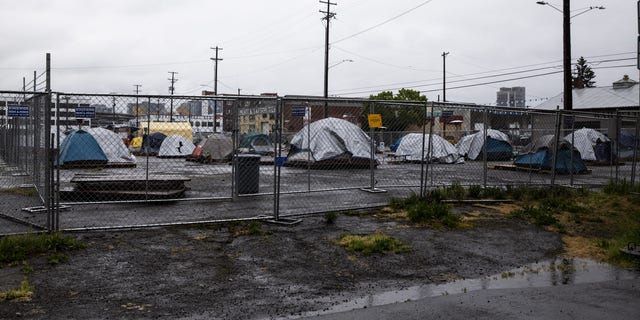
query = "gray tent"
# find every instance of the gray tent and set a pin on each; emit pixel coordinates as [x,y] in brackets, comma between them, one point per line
[175,146]
[440,150]
[112,146]
[330,142]
[216,147]
[585,141]
[497,146]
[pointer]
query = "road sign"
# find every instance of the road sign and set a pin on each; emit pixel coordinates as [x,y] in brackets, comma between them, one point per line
[375,121]
[447,114]
[85,112]
[297,111]
[18,111]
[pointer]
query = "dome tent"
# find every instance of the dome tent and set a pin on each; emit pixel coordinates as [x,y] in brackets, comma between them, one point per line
[112,146]
[592,145]
[539,155]
[497,145]
[330,143]
[80,149]
[175,146]
[411,148]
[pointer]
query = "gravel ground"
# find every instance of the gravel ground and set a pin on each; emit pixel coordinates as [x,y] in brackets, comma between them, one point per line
[286,271]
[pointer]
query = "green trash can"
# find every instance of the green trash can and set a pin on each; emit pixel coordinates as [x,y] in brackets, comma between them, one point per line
[247,173]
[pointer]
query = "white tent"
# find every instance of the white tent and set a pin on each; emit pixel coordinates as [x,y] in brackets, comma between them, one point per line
[112,146]
[328,139]
[176,146]
[441,150]
[585,140]
[471,146]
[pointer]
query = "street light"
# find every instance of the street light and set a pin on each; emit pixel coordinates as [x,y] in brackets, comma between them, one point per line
[326,83]
[337,63]
[566,46]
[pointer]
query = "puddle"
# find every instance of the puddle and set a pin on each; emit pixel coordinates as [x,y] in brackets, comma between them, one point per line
[545,274]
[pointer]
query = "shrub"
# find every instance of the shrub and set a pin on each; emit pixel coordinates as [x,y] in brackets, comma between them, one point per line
[474,192]
[330,217]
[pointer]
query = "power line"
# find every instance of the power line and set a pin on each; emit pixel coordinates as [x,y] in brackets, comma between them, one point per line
[382,23]
[418,83]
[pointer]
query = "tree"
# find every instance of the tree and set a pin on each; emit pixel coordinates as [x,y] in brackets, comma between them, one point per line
[397,117]
[582,75]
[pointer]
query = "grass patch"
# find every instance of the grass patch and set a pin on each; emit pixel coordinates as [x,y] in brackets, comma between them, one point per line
[377,243]
[22,294]
[18,248]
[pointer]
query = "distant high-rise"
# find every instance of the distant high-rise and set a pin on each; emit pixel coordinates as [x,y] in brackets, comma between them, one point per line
[511,97]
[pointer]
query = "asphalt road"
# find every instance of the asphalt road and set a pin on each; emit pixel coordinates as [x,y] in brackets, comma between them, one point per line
[618,299]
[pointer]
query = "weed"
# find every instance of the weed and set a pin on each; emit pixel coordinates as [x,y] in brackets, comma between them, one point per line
[474,192]
[57,258]
[373,243]
[330,217]
[496,193]
[26,268]
[455,191]
[251,228]
[537,215]
[22,294]
[20,247]
[620,187]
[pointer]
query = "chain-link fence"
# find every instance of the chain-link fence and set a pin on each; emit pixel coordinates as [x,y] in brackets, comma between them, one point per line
[23,157]
[133,160]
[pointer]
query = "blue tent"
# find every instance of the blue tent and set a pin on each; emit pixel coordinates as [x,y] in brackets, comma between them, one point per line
[80,148]
[540,156]
[497,146]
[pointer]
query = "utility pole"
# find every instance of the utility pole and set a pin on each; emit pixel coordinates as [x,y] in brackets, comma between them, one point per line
[137,107]
[328,16]
[444,76]
[566,54]
[171,90]
[215,70]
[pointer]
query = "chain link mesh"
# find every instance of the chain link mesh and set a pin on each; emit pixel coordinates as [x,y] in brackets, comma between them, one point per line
[123,161]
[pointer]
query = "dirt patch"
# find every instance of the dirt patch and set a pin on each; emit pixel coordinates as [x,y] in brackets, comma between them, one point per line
[276,271]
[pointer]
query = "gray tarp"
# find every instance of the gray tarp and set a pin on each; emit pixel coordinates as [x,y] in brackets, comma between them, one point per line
[331,137]
[112,146]
[442,151]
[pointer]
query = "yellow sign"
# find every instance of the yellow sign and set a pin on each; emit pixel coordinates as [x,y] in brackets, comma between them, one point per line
[375,121]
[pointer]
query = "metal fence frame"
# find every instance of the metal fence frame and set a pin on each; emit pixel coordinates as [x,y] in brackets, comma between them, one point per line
[365,188]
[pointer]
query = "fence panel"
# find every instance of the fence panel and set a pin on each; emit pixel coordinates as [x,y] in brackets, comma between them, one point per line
[23,158]
[133,161]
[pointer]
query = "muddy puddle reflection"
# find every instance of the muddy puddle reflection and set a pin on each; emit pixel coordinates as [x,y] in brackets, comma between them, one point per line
[544,274]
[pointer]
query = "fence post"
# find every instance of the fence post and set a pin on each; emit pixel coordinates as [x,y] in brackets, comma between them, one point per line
[635,150]
[276,165]
[423,187]
[484,146]
[556,146]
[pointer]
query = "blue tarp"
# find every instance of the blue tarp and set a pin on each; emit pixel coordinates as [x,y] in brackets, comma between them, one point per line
[498,150]
[543,159]
[80,147]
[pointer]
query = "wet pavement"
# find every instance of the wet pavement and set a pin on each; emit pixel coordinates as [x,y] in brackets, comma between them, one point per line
[549,278]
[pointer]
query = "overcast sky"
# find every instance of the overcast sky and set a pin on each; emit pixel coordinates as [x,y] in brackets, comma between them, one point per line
[103,46]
